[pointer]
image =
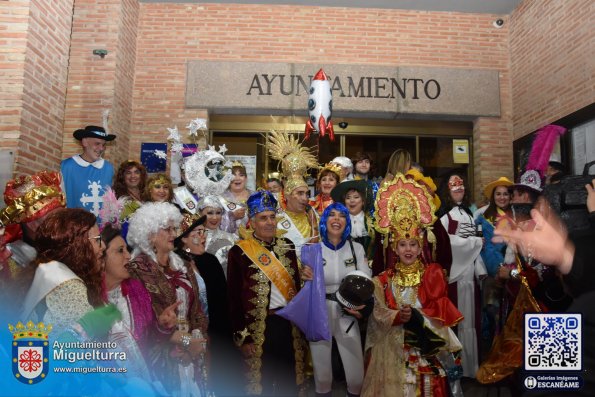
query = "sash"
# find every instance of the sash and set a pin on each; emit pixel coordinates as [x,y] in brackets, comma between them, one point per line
[292,233]
[270,266]
[185,199]
[47,277]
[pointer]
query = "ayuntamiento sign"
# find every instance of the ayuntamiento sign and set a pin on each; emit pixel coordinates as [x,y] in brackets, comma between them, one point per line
[379,91]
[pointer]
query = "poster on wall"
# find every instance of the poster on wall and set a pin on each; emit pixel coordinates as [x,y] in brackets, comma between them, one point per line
[250,163]
[153,156]
[460,151]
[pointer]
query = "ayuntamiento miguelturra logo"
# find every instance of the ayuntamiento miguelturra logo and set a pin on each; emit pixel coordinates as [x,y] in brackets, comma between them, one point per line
[30,351]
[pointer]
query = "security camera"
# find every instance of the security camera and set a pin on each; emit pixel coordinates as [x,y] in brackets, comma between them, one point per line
[498,23]
[343,124]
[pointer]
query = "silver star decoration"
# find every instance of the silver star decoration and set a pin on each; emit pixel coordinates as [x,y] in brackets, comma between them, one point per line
[161,154]
[223,149]
[212,172]
[177,147]
[211,147]
[174,134]
[195,125]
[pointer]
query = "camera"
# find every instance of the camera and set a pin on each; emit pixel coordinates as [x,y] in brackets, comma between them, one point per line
[343,124]
[498,23]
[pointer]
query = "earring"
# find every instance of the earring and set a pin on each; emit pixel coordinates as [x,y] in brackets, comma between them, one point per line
[187,250]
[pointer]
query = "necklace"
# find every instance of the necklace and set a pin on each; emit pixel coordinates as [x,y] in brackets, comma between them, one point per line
[408,275]
[405,282]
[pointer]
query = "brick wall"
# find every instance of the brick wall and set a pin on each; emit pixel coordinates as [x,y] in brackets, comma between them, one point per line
[171,34]
[552,61]
[33,80]
[543,54]
[96,84]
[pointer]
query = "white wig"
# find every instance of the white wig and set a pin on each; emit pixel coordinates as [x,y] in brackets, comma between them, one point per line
[343,162]
[146,222]
[210,201]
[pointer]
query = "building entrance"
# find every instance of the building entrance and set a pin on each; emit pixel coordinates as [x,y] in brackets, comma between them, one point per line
[431,143]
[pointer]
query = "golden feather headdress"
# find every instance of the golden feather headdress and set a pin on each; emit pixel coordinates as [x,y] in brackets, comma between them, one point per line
[295,159]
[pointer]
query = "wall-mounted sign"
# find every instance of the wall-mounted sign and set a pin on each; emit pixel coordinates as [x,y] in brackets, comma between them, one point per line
[249,162]
[460,151]
[376,91]
[153,156]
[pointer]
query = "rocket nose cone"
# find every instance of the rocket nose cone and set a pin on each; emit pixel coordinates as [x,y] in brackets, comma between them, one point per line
[320,75]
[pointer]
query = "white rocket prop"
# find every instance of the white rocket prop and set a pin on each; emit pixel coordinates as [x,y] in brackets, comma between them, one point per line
[320,107]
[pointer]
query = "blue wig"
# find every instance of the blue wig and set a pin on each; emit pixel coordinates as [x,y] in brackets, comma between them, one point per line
[324,218]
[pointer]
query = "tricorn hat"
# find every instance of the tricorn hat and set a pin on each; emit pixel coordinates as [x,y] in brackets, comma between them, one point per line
[93,131]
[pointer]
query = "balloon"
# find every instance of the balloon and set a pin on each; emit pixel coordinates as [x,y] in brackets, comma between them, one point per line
[320,107]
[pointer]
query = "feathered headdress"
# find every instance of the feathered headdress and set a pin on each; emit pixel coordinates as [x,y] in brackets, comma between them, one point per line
[110,210]
[295,159]
[542,148]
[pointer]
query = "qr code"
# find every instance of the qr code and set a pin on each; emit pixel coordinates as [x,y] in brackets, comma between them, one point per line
[553,341]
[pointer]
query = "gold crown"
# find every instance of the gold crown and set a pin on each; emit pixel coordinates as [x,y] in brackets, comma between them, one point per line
[238,163]
[336,168]
[39,331]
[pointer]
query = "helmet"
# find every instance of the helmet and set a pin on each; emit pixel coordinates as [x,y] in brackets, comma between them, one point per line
[356,288]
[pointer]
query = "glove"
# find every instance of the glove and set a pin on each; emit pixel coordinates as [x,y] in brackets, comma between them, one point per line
[98,322]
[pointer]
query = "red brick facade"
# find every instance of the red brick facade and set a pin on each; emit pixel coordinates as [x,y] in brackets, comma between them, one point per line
[552,61]
[95,84]
[33,79]
[543,70]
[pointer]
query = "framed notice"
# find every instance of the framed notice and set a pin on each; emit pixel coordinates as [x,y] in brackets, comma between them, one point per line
[460,151]
[250,163]
[154,156]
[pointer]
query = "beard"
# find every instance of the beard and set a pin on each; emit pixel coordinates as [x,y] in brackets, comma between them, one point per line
[522,211]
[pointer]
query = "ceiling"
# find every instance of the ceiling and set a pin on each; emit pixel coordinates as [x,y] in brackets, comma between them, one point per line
[471,6]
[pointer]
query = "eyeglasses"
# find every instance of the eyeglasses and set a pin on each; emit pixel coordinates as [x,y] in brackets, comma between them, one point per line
[96,238]
[202,232]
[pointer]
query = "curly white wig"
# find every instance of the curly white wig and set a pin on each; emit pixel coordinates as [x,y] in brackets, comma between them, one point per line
[210,201]
[146,222]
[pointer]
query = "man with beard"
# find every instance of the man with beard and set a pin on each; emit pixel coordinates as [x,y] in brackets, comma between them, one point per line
[86,175]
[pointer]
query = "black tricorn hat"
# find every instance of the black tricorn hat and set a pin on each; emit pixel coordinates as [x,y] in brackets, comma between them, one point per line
[93,131]
[363,187]
[355,290]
